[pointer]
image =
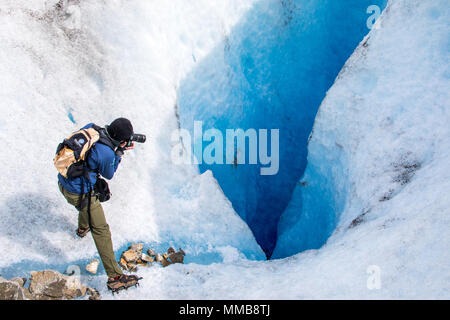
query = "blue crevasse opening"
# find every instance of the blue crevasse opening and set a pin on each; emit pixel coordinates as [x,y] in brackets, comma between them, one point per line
[272,72]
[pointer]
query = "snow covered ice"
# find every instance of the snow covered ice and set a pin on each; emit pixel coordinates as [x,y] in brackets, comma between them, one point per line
[365,195]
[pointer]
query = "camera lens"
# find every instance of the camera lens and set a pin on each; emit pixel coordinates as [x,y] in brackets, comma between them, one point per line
[139,138]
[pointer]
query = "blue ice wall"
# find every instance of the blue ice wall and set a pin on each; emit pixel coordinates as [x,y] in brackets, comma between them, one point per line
[313,212]
[272,72]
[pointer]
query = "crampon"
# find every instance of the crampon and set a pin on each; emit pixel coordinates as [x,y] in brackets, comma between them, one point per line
[123,282]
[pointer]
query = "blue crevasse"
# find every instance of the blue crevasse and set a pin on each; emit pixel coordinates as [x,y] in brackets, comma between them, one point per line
[272,72]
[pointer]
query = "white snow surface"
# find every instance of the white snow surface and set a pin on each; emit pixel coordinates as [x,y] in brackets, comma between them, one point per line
[388,108]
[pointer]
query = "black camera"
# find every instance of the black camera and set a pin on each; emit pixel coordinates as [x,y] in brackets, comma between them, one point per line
[140,138]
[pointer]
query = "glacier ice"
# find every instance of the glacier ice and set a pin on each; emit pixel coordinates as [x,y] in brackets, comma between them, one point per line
[377,157]
[368,128]
[271,70]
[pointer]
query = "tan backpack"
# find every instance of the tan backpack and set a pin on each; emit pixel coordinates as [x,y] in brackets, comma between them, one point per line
[71,153]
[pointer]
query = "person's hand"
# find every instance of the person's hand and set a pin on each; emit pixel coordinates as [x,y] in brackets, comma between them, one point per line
[120,150]
[122,145]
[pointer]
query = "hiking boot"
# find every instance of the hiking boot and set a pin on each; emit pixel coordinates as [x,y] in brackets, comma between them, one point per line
[82,232]
[122,282]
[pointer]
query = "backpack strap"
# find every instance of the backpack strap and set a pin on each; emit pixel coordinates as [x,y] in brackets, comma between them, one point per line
[82,199]
[86,169]
[103,136]
[106,141]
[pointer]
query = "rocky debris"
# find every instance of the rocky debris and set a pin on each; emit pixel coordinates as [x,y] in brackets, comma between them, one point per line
[93,266]
[134,257]
[45,285]
[163,259]
[130,256]
[147,258]
[20,281]
[137,247]
[93,294]
[130,259]
[175,257]
[52,285]
[11,290]
[171,257]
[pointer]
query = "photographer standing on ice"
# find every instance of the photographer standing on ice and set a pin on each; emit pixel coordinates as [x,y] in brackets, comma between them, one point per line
[81,159]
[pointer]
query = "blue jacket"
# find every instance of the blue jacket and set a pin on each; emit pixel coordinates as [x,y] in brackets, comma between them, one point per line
[103,158]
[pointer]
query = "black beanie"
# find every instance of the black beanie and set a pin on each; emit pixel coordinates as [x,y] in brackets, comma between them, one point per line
[120,129]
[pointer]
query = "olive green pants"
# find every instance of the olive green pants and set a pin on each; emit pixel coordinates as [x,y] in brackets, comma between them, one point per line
[100,230]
